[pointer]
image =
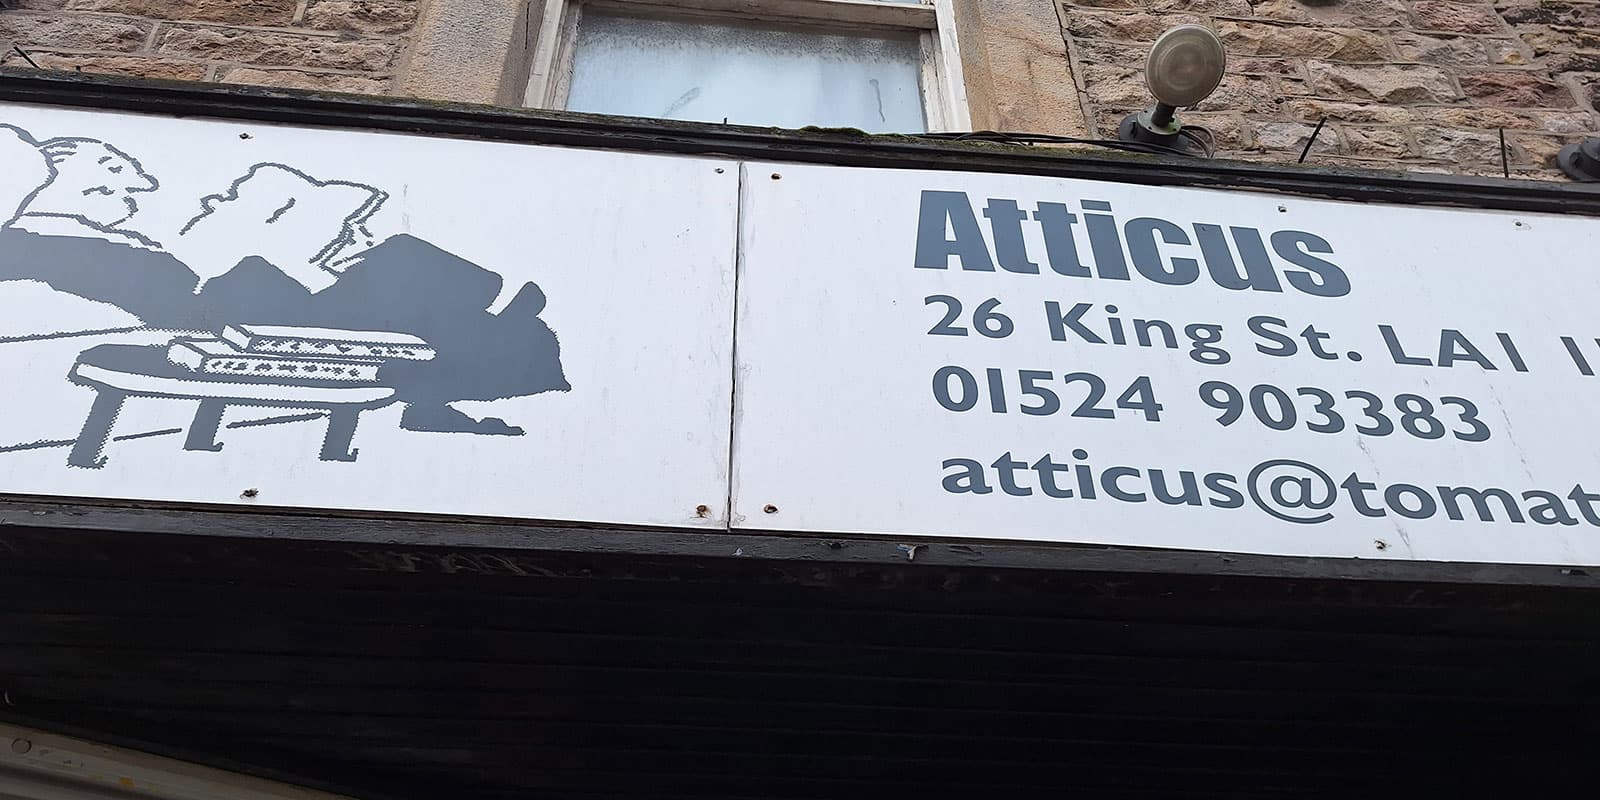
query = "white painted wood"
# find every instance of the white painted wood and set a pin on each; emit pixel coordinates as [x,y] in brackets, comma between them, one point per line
[831,14]
[956,116]
[943,87]
[934,112]
[564,51]
[546,59]
[36,765]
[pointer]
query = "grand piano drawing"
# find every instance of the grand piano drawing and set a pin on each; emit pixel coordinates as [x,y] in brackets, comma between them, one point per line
[311,317]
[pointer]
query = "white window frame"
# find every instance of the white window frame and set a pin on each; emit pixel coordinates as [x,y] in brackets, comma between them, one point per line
[944,94]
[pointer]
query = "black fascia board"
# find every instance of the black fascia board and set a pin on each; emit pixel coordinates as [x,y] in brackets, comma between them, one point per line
[53,528]
[815,146]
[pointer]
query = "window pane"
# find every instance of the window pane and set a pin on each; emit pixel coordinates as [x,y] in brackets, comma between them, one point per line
[751,76]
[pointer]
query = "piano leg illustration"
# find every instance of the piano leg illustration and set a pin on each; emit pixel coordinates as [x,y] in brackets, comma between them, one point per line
[341,430]
[86,453]
[203,430]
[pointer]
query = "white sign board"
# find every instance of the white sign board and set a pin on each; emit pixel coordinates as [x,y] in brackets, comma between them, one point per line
[1074,361]
[218,312]
[227,312]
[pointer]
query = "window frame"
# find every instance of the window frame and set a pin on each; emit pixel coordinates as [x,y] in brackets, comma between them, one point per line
[944,93]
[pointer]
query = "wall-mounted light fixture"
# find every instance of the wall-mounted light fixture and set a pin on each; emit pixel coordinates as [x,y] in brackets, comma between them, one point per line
[1185,66]
[1581,161]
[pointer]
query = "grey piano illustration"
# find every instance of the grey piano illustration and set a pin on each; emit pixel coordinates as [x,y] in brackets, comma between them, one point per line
[320,319]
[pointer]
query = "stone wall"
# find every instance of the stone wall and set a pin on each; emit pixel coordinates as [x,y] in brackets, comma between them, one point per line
[1419,84]
[339,45]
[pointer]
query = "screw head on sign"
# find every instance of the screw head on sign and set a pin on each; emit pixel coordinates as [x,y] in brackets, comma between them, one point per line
[776,176]
[702,510]
[248,493]
[770,508]
[21,746]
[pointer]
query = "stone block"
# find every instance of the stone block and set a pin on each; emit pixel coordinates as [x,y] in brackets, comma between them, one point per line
[1589,89]
[1543,39]
[1289,138]
[1549,12]
[233,12]
[1122,26]
[1445,50]
[1348,13]
[1464,148]
[73,31]
[1539,150]
[1488,118]
[300,79]
[1507,52]
[1340,44]
[1571,61]
[1265,66]
[1026,73]
[272,48]
[1122,54]
[1435,15]
[1385,83]
[1364,142]
[1247,93]
[1567,121]
[1515,89]
[1116,86]
[131,65]
[362,16]
[1221,8]
[1228,130]
[1311,110]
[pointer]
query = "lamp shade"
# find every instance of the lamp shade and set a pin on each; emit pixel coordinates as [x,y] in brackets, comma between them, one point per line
[1185,65]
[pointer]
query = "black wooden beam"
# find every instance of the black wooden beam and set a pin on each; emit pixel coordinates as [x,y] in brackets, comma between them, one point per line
[807,146]
[34,527]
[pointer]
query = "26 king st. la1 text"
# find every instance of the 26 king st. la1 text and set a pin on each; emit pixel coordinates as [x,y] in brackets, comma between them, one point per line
[1099,324]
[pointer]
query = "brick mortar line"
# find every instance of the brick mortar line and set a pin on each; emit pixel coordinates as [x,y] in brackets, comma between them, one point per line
[308,70]
[1146,45]
[213,65]
[159,22]
[349,36]
[1510,32]
[1426,106]
[1091,126]
[136,54]
[201,61]
[1488,66]
[1335,26]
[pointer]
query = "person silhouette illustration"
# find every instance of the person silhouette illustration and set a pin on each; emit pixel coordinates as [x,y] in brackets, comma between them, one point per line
[70,231]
